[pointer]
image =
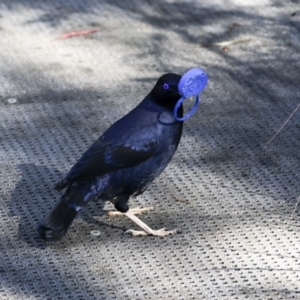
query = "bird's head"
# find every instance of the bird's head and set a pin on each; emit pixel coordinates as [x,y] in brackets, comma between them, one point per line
[165,90]
[171,90]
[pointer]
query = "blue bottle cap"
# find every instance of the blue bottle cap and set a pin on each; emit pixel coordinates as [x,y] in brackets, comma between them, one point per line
[191,84]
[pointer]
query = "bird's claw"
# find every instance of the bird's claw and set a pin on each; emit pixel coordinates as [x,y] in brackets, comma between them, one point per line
[159,232]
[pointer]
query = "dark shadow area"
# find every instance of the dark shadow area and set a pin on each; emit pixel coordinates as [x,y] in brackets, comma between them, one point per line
[177,16]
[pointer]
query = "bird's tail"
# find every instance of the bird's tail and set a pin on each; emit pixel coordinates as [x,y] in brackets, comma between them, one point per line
[56,224]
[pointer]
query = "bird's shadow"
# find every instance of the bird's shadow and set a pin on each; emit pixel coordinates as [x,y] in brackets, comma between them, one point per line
[34,196]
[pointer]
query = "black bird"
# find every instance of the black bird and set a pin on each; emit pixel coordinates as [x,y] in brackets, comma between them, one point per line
[122,162]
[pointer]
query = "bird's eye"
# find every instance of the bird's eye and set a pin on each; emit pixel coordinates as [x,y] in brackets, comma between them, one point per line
[166,86]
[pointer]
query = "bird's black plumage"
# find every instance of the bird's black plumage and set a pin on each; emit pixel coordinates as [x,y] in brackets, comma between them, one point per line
[123,161]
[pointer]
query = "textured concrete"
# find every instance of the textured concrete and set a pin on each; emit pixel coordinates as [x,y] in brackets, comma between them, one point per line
[231,198]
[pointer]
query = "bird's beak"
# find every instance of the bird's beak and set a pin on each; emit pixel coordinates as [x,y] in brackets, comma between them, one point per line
[174,90]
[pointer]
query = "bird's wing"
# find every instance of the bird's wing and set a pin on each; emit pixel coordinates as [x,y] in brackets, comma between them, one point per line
[105,157]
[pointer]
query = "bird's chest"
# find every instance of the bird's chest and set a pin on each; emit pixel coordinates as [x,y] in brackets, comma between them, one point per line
[148,170]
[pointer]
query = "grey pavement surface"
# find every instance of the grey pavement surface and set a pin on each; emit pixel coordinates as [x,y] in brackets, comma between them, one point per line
[231,198]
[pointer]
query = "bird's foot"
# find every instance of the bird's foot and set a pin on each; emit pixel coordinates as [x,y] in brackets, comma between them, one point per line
[146,229]
[134,211]
[159,232]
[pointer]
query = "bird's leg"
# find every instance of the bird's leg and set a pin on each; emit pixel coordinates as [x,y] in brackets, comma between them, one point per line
[134,211]
[121,202]
[121,205]
[147,229]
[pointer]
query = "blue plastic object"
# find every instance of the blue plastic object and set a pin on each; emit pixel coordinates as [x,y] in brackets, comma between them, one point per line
[192,83]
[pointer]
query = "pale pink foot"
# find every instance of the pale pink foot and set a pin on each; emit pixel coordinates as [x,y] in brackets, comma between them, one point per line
[147,229]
